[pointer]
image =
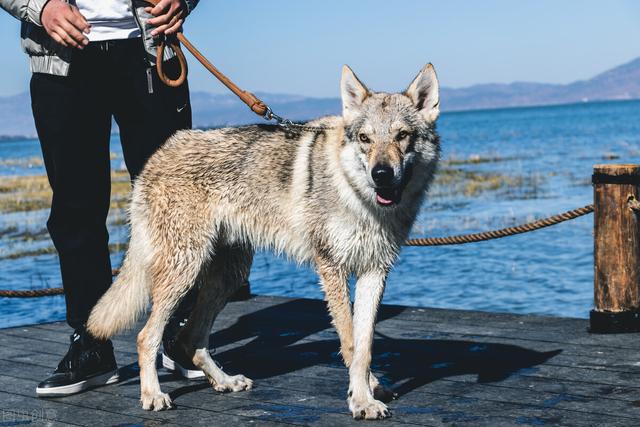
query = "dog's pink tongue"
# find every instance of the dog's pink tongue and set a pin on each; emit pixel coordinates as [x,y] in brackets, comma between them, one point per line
[382,200]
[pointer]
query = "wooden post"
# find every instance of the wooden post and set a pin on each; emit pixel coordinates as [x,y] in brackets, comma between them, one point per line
[616,249]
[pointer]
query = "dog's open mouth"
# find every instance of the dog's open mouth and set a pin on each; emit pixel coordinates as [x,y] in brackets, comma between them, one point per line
[388,196]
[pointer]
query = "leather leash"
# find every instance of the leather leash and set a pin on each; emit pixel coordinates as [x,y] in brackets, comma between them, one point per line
[252,101]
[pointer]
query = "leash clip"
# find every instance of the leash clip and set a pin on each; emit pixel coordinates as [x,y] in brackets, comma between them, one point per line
[270,115]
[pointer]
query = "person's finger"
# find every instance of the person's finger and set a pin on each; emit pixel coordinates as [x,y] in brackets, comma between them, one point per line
[79,21]
[166,18]
[159,30]
[160,7]
[175,27]
[66,38]
[69,40]
[75,33]
[58,39]
[163,28]
[160,20]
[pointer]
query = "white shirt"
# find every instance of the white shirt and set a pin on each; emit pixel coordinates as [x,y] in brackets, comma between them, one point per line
[109,19]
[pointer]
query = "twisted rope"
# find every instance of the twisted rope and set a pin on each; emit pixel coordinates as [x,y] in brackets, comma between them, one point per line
[425,241]
[34,293]
[497,234]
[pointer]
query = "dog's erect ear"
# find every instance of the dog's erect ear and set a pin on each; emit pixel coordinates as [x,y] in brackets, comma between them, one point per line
[353,93]
[425,93]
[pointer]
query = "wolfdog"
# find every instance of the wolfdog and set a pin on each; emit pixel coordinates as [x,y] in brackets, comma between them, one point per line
[342,197]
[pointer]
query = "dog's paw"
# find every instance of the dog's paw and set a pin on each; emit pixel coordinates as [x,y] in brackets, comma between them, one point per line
[368,409]
[157,402]
[233,383]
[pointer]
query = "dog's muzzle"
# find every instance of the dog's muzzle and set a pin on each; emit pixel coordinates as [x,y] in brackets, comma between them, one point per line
[388,194]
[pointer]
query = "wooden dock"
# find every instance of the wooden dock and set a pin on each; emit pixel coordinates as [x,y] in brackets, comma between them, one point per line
[449,368]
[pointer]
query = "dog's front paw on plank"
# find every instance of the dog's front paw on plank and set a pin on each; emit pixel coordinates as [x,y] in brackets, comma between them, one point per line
[156,402]
[232,383]
[368,409]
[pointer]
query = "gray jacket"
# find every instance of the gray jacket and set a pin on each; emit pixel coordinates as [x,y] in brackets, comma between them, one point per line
[47,56]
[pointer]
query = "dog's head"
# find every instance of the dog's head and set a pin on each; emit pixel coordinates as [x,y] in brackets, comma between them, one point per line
[388,136]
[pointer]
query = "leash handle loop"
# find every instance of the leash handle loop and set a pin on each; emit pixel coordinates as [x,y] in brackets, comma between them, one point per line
[175,45]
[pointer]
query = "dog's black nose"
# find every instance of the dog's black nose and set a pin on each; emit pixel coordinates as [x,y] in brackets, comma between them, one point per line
[382,175]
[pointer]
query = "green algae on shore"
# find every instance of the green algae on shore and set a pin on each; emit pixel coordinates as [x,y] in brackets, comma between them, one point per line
[32,192]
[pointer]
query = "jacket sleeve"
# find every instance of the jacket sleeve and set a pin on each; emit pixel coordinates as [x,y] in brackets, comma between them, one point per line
[191,4]
[26,10]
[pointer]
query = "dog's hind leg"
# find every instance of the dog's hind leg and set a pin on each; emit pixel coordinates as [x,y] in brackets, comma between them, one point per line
[173,273]
[222,278]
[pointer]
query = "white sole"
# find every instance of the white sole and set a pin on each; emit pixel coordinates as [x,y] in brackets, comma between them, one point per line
[189,374]
[66,390]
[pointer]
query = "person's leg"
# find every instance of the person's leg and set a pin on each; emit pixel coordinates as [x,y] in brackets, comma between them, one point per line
[73,127]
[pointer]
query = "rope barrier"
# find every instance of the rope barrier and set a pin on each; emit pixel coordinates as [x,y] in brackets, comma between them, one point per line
[425,241]
[35,293]
[47,292]
[505,232]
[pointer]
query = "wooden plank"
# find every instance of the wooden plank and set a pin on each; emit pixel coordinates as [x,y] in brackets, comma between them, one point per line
[324,374]
[314,320]
[452,367]
[429,409]
[602,357]
[61,411]
[199,395]
[279,320]
[476,359]
[584,363]
[586,368]
[127,404]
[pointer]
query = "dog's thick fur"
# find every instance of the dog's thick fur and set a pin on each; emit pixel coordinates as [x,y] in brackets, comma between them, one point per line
[205,200]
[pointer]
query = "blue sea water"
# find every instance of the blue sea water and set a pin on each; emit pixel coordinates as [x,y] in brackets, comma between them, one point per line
[547,152]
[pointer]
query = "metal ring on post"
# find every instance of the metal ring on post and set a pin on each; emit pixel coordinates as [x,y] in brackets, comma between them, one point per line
[175,45]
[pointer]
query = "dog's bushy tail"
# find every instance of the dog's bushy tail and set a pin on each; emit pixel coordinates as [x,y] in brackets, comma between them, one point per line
[125,301]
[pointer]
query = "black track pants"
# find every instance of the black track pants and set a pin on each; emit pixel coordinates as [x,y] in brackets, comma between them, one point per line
[73,118]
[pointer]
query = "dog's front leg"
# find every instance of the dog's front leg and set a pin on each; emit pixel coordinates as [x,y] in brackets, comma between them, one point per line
[336,291]
[362,403]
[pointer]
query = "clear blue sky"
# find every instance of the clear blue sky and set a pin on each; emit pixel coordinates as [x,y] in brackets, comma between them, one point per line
[287,46]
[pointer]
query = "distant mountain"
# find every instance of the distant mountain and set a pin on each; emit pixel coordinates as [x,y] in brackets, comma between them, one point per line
[227,110]
[620,83]
[211,110]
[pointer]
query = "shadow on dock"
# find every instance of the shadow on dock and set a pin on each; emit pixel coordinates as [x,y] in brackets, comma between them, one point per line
[275,344]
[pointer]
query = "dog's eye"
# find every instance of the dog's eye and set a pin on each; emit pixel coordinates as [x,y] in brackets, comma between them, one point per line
[364,138]
[402,135]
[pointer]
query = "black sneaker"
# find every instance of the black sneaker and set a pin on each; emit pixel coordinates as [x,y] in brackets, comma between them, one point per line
[174,358]
[88,363]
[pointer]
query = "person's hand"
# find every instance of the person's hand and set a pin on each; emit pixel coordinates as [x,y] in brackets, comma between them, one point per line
[65,24]
[168,16]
